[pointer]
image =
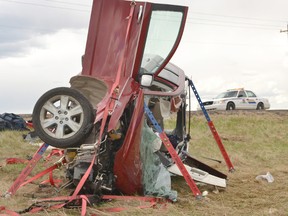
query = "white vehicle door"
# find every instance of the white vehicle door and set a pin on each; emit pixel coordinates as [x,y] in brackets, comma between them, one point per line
[251,100]
[242,100]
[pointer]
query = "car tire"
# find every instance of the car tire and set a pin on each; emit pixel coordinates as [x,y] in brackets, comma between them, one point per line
[260,106]
[63,117]
[230,106]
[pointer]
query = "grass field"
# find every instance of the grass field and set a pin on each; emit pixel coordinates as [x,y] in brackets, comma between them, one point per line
[257,143]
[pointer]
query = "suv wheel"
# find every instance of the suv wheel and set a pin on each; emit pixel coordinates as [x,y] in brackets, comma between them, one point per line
[63,117]
[260,106]
[230,106]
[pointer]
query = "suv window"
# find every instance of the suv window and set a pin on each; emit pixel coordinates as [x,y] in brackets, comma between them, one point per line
[250,94]
[162,34]
[242,94]
[227,94]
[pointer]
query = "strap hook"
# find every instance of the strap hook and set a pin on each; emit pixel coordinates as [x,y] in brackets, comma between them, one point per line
[133,3]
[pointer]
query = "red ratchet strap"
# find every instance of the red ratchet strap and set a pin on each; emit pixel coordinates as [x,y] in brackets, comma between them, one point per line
[115,88]
[65,199]
[107,109]
[7,212]
[16,161]
[56,152]
[85,199]
[52,181]
[29,124]
[49,170]
[27,170]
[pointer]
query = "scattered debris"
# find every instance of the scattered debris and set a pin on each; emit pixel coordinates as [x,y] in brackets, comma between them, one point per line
[268,177]
[204,193]
[32,137]
[11,121]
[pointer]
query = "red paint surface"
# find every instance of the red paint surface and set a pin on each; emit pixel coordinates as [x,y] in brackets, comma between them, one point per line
[114,49]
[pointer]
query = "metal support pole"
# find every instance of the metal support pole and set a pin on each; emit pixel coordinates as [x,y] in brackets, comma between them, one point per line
[212,128]
[173,154]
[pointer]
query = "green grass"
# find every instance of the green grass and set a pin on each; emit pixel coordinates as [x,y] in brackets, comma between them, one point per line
[257,142]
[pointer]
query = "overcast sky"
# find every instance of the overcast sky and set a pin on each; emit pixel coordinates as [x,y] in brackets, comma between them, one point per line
[226,44]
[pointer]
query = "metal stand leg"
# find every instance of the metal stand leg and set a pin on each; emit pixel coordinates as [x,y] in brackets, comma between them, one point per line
[213,129]
[173,154]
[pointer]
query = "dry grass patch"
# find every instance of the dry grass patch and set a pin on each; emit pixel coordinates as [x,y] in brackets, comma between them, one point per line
[255,141]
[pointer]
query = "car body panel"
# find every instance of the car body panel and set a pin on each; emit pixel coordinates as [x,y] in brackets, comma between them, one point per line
[127,40]
[115,47]
[241,98]
[127,164]
[105,45]
[111,51]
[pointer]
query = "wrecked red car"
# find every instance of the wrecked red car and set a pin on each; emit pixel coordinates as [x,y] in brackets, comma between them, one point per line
[101,118]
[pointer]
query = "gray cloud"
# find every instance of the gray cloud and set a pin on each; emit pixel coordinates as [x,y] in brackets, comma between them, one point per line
[20,23]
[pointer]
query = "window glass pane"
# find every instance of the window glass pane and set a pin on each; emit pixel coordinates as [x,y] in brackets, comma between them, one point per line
[242,94]
[168,75]
[162,34]
[227,94]
[250,94]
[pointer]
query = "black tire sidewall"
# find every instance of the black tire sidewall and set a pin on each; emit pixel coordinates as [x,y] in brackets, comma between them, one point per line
[260,106]
[230,104]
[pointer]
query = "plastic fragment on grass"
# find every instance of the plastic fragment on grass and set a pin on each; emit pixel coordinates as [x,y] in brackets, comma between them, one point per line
[268,177]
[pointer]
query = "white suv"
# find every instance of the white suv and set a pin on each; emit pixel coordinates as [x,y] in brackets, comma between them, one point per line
[236,99]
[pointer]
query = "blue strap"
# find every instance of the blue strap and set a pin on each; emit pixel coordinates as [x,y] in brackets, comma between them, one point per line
[152,119]
[199,100]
